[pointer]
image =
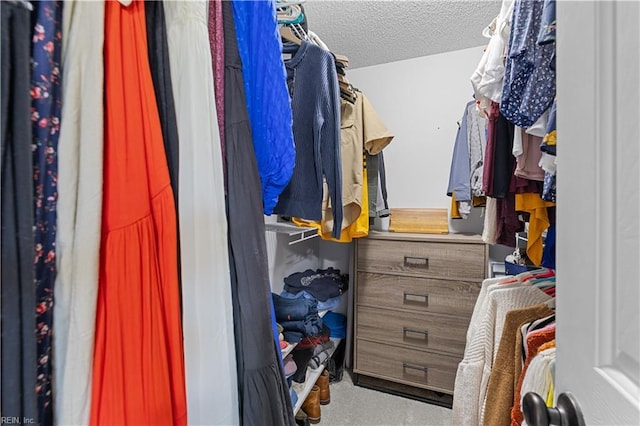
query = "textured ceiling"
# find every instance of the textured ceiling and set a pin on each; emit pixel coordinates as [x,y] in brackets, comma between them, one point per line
[375,32]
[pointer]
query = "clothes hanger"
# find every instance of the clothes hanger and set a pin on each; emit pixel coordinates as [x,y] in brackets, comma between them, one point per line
[287,34]
[315,39]
[290,15]
[125,3]
[299,31]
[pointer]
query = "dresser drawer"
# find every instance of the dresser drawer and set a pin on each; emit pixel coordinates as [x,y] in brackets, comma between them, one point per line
[417,294]
[420,331]
[427,259]
[418,368]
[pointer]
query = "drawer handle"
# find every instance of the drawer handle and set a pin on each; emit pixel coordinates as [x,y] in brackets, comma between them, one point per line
[407,330]
[406,366]
[416,262]
[416,298]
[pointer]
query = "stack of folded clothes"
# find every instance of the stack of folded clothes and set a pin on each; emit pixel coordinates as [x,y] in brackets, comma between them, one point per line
[326,305]
[323,285]
[298,317]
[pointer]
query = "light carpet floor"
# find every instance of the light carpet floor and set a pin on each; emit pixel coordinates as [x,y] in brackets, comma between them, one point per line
[354,405]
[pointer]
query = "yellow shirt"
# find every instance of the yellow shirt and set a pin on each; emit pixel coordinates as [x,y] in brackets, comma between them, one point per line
[358,229]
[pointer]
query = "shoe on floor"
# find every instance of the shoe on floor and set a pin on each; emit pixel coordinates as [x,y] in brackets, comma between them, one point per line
[311,405]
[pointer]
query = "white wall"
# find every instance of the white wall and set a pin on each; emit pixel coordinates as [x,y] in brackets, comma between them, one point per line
[421,100]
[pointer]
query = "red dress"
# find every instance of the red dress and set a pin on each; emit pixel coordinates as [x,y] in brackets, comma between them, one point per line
[138,367]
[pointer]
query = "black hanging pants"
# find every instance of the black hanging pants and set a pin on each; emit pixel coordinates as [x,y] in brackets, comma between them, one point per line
[18,326]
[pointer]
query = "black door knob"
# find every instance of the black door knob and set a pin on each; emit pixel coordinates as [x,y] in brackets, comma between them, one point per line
[566,413]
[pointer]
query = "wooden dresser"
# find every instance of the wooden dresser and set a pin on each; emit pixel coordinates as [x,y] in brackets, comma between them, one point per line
[414,297]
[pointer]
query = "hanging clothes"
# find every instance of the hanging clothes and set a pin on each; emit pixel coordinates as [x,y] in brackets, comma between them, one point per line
[497,297]
[488,78]
[467,163]
[459,174]
[361,131]
[138,332]
[490,226]
[268,101]
[161,74]
[534,340]
[351,152]
[263,391]
[359,228]
[477,141]
[539,378]
[45,118]
[503,160]
[206,289]
[216,42]
[375,204]
[533,204]
[548,148]
[530,79]
[489,152]
[80,159]
[311,74]
[548,25]
[376,138]
[527,162]
[500,389]
[549,251]
[18,297]
[507,220]
[378,204]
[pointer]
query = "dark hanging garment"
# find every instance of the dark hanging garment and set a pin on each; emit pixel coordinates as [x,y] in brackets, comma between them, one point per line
[264,395]
[18,319]
[503,160]
[158,47]
[46,109]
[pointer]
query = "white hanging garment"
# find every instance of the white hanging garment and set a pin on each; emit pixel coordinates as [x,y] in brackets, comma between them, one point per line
[538,378]
[209,347]
[488,77]
[79,209]
[490,229]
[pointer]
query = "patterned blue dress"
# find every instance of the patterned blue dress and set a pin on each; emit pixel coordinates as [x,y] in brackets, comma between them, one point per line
[530,78]
[45,118]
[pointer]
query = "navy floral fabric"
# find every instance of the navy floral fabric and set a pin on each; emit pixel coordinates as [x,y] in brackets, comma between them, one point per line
[549,143]
[530,78]
[45,118]
[549,187]
[548,27]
